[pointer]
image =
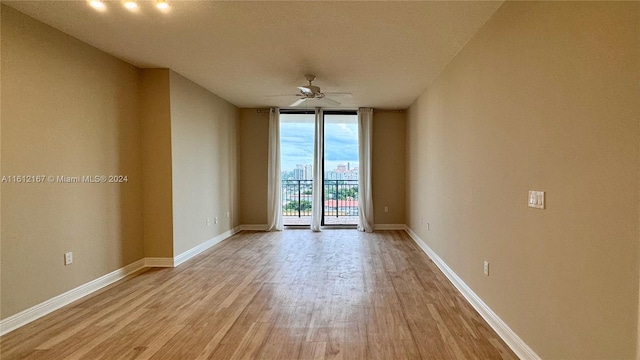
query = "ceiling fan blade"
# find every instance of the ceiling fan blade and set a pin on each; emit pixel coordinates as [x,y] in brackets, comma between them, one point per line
[305,90]
[331,101]
[298,102]
[283,95]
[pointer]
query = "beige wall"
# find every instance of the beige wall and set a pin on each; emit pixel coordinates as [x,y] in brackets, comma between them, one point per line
[545,97]
[70,110]
[254,147]
[155,116]
[388,166]
[203,147]
[67,109]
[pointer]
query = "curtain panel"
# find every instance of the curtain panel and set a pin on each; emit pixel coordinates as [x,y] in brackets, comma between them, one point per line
[318,150]
[274,191]
[365,198]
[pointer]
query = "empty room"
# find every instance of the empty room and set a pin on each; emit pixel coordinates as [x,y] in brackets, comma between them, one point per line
[319,179]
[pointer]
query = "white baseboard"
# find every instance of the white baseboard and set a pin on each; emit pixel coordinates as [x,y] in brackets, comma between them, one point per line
[35,312]
[158,262]
[204,246]
[389,227]
[253,227]
[500,327]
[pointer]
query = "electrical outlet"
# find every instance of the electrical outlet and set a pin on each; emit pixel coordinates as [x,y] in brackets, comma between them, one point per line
[386,209]
[68,258]
[428,226]
[486,268]
[208,221]
[215,220]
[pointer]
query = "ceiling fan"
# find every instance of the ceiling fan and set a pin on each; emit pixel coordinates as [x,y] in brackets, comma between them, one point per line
[313,92]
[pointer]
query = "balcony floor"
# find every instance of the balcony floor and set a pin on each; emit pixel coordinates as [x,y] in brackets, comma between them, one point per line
[328,220]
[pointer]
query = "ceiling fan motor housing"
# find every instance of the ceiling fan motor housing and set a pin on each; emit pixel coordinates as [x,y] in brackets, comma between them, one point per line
[310,91]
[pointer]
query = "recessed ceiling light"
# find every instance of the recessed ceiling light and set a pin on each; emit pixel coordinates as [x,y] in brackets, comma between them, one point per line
[130,4]
[162,4]
[97,4]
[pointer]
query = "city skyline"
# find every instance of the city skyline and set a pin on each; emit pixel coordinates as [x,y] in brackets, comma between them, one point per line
[342,171]
[347,165]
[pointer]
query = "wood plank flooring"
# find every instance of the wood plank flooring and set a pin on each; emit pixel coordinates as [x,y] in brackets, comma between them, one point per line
[338,294]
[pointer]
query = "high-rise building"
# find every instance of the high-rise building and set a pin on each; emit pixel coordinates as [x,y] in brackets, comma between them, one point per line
[308,172]
[298,173]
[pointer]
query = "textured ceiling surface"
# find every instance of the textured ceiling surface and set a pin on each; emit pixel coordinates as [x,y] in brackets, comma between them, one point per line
[383,53]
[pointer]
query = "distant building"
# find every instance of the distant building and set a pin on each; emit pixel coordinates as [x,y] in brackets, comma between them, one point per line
[342,172]
[303,172]
[298,172]
[341,207]
[308,172]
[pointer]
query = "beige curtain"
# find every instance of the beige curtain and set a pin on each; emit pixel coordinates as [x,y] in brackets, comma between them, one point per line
[274,191]
[365,199]
[318,150]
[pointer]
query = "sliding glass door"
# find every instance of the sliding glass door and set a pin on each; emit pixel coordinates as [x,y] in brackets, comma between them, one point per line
[340,167]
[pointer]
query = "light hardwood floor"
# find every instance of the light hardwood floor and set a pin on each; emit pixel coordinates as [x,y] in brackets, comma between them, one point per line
[338,294]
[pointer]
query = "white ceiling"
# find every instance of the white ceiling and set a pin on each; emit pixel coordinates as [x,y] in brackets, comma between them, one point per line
[384,53]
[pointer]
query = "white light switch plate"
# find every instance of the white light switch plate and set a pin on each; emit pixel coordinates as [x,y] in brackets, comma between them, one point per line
[536,199]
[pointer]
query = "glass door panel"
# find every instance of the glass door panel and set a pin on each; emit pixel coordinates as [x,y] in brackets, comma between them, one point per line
[296,156]
[341,166]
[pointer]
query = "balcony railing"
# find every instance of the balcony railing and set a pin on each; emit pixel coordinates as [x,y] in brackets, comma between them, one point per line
[296,197]
[340,201]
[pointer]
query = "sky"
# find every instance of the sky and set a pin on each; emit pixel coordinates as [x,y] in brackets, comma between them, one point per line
[296,138]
